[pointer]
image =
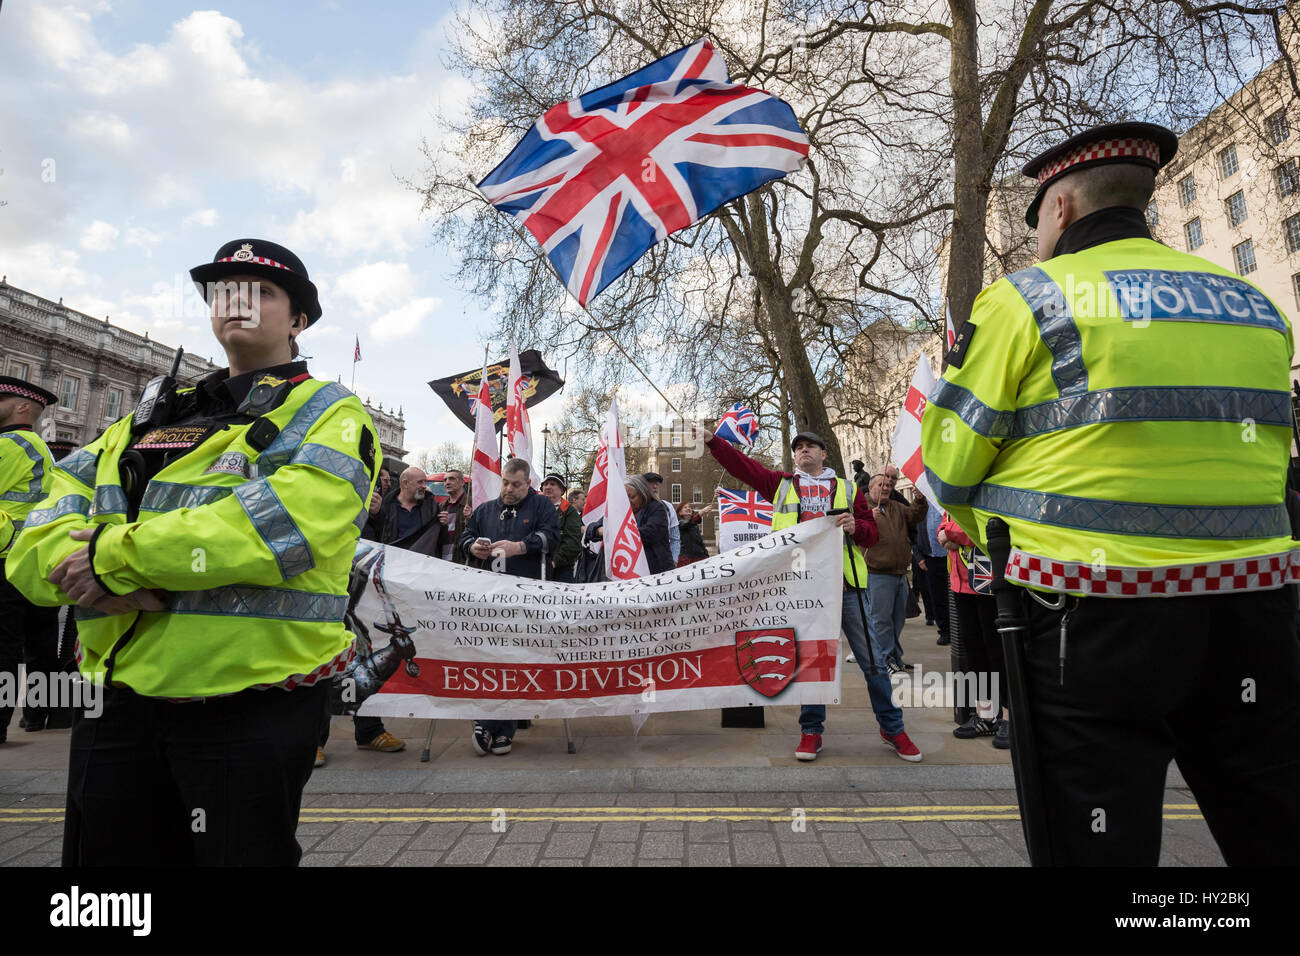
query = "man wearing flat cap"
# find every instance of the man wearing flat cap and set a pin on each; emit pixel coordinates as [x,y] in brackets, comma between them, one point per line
[1124,408]
[27,632]
[207,540]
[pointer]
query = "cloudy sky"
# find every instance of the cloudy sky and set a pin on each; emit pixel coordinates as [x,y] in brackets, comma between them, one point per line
[138,136]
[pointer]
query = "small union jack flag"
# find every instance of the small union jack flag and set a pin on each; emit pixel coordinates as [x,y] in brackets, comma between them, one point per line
[356,352]
[739,426]
[743,506]
[600,179]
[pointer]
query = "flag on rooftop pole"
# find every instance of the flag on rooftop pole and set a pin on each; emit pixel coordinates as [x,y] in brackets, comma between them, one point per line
[600,179]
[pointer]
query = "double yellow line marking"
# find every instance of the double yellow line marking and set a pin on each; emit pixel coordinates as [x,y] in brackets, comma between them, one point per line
[913,814]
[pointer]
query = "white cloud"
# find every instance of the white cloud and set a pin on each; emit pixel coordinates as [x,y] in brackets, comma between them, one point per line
[143,239]
[402,321]
[376,286]
[207,218]
[101,128]
[43,268]
[99,236]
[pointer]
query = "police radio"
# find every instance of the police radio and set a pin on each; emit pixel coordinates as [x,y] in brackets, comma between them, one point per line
[155,408]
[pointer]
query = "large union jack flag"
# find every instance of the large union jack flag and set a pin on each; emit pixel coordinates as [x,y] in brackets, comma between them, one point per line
[743,506]
[600,179]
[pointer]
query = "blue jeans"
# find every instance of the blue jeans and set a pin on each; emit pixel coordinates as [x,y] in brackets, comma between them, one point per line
[887,610]
[812,717]
[499,728]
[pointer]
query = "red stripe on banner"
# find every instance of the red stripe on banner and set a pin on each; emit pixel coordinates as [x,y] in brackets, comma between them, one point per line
[913,467]
[502,680]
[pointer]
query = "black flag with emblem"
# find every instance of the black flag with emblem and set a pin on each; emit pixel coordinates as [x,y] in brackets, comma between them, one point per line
[458,391]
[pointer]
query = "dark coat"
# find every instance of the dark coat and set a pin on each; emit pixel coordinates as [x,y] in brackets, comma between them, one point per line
[693,547]
[532,521]
[652,524]
[429,533]
[570,546]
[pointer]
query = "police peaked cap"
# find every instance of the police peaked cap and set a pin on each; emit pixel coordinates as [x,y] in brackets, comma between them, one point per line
[1143,143]
[268,260]
[10,387]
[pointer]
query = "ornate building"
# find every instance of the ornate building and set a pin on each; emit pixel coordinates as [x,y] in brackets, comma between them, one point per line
[99,370]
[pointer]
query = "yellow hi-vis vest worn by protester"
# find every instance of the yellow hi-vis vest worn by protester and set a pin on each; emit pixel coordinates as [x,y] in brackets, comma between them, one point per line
[255,548]
[785,514]
[1126,410]
[25,475]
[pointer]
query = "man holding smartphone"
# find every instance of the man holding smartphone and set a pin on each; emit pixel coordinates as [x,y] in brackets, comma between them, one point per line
[514,534]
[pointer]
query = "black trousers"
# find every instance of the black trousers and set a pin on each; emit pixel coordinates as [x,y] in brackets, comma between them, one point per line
[1212,682]
[977,618]
[28,634]
[936,586]
[213,783]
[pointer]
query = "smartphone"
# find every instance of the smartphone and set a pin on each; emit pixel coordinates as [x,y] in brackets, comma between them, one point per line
[483,541]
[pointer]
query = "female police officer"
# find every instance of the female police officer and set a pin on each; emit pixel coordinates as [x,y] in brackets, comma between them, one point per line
[207,539]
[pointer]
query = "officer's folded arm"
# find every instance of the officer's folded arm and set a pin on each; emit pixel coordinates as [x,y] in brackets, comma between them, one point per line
[269,530]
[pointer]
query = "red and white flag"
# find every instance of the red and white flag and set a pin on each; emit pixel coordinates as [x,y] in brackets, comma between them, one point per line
[947,317]
[907,433]
[485,471]
[624,553]
[594,508]
[519,433]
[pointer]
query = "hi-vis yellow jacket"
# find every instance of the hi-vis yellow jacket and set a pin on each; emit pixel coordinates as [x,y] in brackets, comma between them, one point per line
[254,547]
[1126,410]
[25,476]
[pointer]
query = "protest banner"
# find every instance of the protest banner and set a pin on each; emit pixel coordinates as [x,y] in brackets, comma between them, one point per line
[756,625]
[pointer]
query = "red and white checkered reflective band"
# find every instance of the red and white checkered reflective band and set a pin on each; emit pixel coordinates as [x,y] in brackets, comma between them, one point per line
[15,390]
[1263,573]
[258,260]
[1103,149]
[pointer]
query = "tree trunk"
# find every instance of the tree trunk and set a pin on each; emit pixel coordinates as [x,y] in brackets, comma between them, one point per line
[970,201]
[787,458]
[801,382]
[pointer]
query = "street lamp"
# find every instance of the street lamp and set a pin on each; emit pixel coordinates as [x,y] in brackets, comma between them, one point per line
[546,438]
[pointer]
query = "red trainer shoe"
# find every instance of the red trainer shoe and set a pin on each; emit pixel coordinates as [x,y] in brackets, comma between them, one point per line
[810,745]
[902,745]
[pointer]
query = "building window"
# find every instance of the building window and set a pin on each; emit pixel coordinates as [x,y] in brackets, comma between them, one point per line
[1292,230]
[697,497]
[677,494]
[1187,190]
[1243,255]
[113,404]
[1153,215]
[19,370]
[1277,127]
[65,436]
[1193,232]
[1236,208]
[68,392]
[677,439]
[1288,178]
[677,464]
[1295,287]
[1228,162]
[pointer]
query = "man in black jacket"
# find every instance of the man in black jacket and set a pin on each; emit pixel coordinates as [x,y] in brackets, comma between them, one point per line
[522,530]
[405,517]
[570,546]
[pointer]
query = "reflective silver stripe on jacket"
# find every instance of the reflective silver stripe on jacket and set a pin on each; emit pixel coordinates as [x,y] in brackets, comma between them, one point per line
[80,465]
[109,499]
[336,463]
[1134,517]
[246,600]
[1126,404]
[68,504]
[276,526]
[286,443]
[163,496]
[1056,328]
[33,493]
[782,505]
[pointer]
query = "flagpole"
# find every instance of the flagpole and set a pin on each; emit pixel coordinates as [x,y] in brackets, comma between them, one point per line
[546,259]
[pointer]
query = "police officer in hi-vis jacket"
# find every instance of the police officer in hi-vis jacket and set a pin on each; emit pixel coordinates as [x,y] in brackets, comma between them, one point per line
[206,540]
[1124,408]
